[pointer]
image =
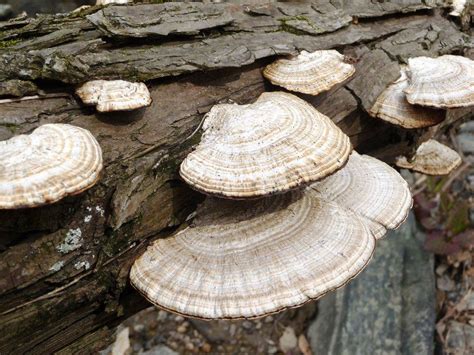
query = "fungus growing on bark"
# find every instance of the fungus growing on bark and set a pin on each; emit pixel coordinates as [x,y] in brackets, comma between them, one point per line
[445,82]
[114,95]
[392,106]
[457,7]
[310,73]
[117,2]
[370,188]
[244,259]
[431,158]
[273,145]
[55,161]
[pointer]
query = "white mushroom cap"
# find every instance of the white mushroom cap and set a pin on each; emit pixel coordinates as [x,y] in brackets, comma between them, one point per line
[446,81]
[370,188]
[392,106]
[251,258]
[457,7]
[106,2]
[431,158]
[271,146]
[54,161]
[310,73]
[245,259]
[114,95]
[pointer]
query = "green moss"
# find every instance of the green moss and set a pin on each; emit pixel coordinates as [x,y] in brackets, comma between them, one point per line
[10,126]
[9,43]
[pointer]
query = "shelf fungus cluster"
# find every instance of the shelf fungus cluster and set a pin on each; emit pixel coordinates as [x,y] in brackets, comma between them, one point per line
[293,213]
[310,73]
[424,89]
[392,106]
[431,158]
[55,161]
[114,95]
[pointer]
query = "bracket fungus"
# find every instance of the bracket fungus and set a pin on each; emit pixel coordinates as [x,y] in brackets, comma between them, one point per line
[458,7]
[310,73]
[54,161]
[431,158]
[445,82]
[245,259]
[273,145]
[371,189]
[392,106]
[116,2]
[114,95]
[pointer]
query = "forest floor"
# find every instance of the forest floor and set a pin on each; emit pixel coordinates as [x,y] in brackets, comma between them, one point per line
[444,208]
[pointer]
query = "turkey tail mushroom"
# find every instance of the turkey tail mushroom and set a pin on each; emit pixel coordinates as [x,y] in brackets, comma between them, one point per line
[54,161]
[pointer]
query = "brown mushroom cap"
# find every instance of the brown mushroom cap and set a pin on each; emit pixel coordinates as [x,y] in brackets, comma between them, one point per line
[431,158]
[392,106]
[244,259]
[310,73]
[446,81]
[273,145]
[54,161]
[114,95]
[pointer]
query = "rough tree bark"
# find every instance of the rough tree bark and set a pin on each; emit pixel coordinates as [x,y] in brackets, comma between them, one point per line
[64,267]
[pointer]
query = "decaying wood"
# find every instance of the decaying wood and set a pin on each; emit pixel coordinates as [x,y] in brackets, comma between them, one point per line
[64,267]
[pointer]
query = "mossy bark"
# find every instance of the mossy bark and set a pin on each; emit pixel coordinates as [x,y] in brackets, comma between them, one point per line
[64,268]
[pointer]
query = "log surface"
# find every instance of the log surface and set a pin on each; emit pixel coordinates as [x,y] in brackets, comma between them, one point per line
[64,267]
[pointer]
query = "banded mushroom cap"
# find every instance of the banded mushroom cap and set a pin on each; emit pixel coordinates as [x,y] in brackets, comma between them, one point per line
[392,106]
[271,146]
[445,82]
[370,188]
[114,95]
[54,161]
[431,158]
[106,2]
[457,7]
[245,259]
[310,73]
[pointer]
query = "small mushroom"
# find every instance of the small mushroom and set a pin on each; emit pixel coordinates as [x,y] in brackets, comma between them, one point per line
[457,7]
[392,106]
[310,73]
[114,95]
[54,161]
[371,189]
[445,82]
[118,2]
[244,259]
[273,145]
[431,158]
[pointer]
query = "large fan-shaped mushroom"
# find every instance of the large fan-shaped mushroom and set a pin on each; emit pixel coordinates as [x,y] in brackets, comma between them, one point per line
[310,73]
[271,146]
[251,258]
[446,81]
[54,161]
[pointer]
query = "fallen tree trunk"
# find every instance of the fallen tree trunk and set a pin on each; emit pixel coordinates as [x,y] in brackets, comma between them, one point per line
[64,267]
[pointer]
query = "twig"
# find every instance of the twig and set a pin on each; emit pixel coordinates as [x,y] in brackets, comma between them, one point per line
[453,177]
[35,97]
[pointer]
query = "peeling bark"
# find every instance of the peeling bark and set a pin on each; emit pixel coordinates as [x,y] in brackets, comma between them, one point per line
[64,267]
